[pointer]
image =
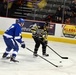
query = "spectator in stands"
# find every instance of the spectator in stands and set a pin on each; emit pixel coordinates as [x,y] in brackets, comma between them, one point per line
[32,3]
[59,11]
[3,8]
[16,4]
[48,18]
[73,8]
[36,3]
[10,2]
[29,3]
[41,3]
[66,17]
[57,17]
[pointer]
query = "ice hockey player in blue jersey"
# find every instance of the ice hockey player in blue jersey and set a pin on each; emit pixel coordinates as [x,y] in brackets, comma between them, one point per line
[11,36]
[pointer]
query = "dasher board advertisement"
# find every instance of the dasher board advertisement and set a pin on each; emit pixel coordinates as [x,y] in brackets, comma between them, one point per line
[69,30]
[26,27]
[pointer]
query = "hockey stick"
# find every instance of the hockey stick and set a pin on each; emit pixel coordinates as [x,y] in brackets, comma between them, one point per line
[42,58]
[57,53]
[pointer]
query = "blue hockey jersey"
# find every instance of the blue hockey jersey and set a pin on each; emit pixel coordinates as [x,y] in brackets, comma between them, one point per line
[14,32]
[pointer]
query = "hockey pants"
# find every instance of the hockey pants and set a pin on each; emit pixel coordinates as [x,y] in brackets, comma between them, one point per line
[11,44]
[39,41]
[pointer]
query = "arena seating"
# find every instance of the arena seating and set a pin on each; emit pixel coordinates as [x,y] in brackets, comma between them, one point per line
[38,14]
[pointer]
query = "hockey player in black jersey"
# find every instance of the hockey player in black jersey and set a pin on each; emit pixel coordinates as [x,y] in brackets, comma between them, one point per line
[39,34]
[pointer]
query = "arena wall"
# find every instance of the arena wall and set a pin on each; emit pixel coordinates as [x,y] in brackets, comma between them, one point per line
[59,30]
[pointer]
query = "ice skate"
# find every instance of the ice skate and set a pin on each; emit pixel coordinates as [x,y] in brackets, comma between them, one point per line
[13,59]
[5,56]
[35,55]
[46,55]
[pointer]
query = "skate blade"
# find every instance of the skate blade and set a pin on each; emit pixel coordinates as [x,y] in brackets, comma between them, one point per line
[12,62]
[35,56]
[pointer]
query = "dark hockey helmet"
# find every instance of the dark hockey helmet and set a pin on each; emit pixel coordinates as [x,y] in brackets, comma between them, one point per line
[41,26]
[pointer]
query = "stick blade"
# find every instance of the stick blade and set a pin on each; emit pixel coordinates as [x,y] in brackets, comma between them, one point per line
[64,57]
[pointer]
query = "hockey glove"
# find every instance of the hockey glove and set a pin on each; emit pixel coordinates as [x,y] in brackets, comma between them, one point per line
[23,45]
[21,36]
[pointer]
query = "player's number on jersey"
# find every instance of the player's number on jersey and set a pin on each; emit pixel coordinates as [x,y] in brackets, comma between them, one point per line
[10,27]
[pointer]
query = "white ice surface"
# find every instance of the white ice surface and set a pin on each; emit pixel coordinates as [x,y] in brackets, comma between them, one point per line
[29,65]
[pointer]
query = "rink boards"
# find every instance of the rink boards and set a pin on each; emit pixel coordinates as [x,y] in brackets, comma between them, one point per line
[50,38]
[58,32]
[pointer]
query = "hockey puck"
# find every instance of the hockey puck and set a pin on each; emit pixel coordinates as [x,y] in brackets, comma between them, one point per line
[60,61]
